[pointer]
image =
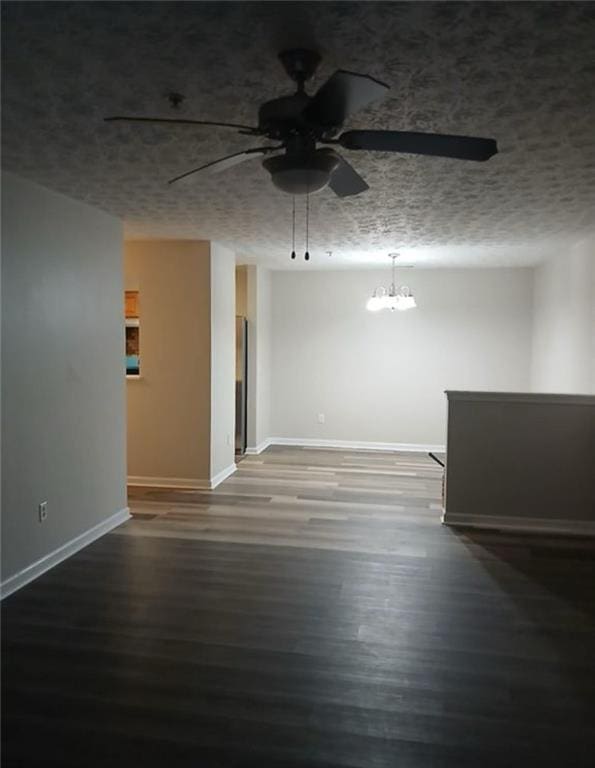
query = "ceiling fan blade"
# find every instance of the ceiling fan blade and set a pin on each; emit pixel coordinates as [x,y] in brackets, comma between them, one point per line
[459,147]
[226,162]
[179,121]
[343,94]
[345,180]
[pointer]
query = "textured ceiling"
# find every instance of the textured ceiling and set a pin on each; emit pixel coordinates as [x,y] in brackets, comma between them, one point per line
[523,73]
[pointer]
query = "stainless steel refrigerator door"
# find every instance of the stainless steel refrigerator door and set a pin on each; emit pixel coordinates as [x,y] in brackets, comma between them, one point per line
[241,384]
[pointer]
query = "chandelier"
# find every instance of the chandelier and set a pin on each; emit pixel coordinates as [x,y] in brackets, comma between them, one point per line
[394,297]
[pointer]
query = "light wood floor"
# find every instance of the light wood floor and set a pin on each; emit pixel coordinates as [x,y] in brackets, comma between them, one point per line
[361,501]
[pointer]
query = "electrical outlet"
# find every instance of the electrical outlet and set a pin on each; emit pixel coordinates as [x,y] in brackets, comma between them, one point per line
[321,418]
[228,439]
[43,511]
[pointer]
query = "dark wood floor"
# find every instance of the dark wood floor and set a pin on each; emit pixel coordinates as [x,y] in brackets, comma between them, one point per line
[310,612]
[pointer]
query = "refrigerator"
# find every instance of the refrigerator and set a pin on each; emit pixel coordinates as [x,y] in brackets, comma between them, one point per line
[241,385]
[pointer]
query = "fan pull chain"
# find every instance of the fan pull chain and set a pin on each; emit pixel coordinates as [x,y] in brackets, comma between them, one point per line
[293,231]
[307,254]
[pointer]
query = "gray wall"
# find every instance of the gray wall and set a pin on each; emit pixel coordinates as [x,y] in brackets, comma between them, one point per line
[564,322]
[63,397]
[380,377]
[521,460]
[258,289]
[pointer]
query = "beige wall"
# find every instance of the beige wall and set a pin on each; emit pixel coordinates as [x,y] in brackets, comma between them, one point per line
[242,291]
[63,392]
[169,420]
[241,310]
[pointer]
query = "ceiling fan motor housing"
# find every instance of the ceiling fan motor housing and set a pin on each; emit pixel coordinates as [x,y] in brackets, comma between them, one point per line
[281,117]
[299,176]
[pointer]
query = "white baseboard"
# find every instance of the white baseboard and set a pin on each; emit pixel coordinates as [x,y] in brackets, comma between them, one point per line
[255,450]
[223,475]
[521,524]
[44,564]
[183,483]
[356,445]
[188,483]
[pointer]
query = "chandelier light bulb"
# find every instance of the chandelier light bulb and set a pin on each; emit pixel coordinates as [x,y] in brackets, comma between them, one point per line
[392,303]
[407,302]
[374,303]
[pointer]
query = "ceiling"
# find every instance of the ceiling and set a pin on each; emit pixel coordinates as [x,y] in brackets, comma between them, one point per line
[523,73]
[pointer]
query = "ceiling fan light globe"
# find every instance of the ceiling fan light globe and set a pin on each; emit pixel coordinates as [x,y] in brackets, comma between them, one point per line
[299,181]
[299,175]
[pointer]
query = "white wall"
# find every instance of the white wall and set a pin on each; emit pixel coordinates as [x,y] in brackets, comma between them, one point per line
[564,322]
[252,380]
[223,332]
[63,397]
[380,377]
[264,357]
[259,355]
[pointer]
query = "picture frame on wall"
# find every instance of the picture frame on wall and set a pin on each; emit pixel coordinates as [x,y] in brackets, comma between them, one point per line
[132,322]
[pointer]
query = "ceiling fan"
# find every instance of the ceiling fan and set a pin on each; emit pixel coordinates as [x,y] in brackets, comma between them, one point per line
[298,123]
